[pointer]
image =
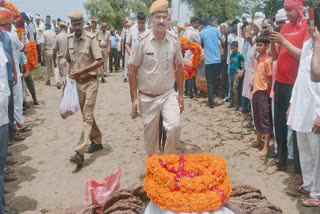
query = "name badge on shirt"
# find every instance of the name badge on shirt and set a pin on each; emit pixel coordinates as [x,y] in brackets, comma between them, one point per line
[150,54]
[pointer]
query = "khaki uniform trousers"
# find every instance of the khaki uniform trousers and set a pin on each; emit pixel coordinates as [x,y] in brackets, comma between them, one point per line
[105,58]
[48,58]
[62,68]
[87,94]
[151,108]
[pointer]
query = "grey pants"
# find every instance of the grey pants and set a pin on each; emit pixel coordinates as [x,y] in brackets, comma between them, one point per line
[30,85]
[12,126]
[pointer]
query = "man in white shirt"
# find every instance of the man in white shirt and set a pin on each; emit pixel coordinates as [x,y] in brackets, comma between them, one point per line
[303,111]
[134,33]
[39,36]
[124,37]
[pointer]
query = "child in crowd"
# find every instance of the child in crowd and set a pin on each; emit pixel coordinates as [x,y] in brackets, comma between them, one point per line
[261,87]
[236,73]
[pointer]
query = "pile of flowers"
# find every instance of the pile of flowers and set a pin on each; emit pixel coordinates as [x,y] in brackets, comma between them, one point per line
[190,71]
[16,15]
[32,56]
[187,183]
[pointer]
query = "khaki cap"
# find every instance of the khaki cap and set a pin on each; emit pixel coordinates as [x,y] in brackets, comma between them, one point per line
[75,15]
[159,6]
[63,24]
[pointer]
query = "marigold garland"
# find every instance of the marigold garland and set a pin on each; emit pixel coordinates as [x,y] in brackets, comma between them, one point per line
[32,56]
[187,183]
[16,15]
[190,71]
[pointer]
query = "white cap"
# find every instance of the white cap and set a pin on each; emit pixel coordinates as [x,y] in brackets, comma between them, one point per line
[281,15]
[259,15]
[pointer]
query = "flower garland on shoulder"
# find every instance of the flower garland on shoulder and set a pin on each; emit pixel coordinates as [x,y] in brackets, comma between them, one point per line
[191,70]
[16,15]
[187,183]
[32,56]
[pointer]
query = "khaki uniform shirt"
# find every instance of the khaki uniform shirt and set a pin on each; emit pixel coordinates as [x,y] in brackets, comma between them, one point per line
[155,61]
[82,52]
[62,43]
[49,39]
[96,33]
[104,38]
[133,35]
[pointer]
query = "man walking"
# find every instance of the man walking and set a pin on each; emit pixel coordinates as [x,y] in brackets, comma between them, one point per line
[61,49]
[83,60]
[104,43]
[152,60]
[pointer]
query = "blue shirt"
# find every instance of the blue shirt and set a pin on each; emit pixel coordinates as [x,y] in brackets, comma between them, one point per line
[235,63]
[114,41]
[210,38]
[6,42]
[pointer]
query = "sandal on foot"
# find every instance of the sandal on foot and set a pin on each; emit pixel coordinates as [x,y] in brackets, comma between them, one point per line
[297,180]
[11,162]
[311,202]
[9,171]
[273,170]
[298,192]
[10,143]
[24,129]
[252,145]
[18,138]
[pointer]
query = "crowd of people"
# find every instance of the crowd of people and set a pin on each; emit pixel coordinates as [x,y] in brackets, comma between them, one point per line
[265,68]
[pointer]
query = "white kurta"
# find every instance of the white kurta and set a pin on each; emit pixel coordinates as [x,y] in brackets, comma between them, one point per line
[305,108]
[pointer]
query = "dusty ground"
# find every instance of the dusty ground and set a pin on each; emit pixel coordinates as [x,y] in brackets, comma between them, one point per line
[48,181]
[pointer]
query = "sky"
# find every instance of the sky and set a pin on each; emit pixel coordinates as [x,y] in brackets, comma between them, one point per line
[61,8]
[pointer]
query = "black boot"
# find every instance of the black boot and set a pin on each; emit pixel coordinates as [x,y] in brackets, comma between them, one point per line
[77,159]
[94,148]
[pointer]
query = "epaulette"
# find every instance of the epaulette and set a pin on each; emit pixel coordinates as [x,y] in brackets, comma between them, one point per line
[70,35]
[174,34]
[144,35]
[90,35]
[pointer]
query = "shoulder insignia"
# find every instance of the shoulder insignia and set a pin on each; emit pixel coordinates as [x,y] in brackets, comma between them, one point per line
[173,34]
[90,35]
[143,35]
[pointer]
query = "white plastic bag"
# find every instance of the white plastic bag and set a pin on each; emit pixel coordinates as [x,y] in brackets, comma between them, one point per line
[155,209]
[70,101]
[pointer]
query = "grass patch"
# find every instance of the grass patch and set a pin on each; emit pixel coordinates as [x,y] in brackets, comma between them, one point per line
[39,73]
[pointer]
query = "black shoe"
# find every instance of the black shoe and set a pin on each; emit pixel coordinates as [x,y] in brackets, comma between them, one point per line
[36,102]
[77,159]
[230,106]
[272,155]
[93,148]
[25,104]
[103,81]
[110,71]
[125,80]
[211,105]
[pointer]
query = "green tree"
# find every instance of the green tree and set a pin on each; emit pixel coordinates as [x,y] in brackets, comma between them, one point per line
[222,9]
[109,11]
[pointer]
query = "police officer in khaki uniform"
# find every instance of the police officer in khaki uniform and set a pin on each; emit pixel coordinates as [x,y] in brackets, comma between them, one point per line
[96,33]
[104,38]
[151,73]
[49,55]
[83,60]
[61,49]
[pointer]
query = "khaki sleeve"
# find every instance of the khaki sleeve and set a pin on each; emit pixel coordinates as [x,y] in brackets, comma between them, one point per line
[109,37]
[99,36]
[67,54]
[136,54]
[96,53]
[178,58]
[55,43]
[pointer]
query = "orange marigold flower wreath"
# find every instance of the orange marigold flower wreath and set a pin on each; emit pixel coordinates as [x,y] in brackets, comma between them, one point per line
[191,70]
[187,183]
[32,56]
[16,15]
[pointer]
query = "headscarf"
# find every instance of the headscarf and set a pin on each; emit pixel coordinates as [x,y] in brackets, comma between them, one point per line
[247,17]
[259,15]
[6,17]
[296,5]
[281,15]
[36,17]
[258,23]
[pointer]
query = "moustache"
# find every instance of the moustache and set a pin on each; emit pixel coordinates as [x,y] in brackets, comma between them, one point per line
[161,25]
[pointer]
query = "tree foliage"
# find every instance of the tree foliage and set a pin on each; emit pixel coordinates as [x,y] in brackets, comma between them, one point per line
[137,6]
[222,9]
[109,11]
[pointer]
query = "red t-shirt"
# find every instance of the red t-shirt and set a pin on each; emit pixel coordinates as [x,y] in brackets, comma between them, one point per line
[287,68]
